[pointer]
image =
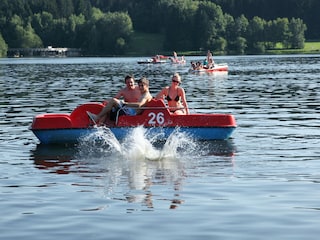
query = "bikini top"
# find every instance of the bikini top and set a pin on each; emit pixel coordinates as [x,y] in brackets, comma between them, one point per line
[168,98]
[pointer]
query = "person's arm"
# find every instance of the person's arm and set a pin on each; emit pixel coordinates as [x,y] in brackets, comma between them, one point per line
[119,94]
[161,94]
[184,101]
[139,104]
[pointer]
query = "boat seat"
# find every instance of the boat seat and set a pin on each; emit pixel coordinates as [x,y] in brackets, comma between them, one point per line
[79,117]
[51,120]
[156,103]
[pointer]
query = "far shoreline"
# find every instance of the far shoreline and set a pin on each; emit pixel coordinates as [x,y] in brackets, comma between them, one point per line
[311,47]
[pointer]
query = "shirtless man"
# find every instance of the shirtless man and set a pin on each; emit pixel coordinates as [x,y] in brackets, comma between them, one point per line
[130,93]
[146,97]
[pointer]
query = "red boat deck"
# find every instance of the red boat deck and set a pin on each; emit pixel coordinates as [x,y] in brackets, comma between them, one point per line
[155,114]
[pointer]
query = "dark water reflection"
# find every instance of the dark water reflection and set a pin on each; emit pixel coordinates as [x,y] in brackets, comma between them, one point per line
[266,176]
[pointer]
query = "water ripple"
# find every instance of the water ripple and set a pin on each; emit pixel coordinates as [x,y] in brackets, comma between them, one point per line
[266,176]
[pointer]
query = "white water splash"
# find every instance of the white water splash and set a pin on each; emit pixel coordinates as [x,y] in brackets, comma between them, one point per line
[139,159]
[137,145]
[178,141]
[99,142]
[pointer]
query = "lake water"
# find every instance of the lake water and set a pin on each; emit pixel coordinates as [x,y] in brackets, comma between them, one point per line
[263,183]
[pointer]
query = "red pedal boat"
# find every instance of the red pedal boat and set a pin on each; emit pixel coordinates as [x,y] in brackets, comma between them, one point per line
[62,128]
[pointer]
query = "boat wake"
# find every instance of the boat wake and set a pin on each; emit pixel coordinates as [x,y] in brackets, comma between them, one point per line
[138,144]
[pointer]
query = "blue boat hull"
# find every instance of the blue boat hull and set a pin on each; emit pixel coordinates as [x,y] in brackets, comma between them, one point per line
[74,135]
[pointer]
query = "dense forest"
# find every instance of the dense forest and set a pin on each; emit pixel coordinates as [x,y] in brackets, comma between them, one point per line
[106,27]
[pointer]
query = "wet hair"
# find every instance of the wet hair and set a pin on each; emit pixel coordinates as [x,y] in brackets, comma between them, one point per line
[144,81]
[177,76]
[128,77]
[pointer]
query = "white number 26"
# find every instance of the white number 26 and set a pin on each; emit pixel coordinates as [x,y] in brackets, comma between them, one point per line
[156,118]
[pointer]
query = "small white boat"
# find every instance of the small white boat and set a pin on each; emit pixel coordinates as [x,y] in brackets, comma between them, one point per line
[222,67]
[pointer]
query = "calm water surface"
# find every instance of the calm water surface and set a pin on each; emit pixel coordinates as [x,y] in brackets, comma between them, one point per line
[261,184]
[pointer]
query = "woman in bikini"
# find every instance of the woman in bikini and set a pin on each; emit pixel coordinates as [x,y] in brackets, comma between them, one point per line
[175,96]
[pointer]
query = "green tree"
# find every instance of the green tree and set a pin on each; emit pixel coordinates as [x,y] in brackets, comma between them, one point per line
[60,26]
[210,25]
[22,34]
[116,29]
[240,45]
[74,26]
[282,30]
[297,28]
[43,24]
[109,33]
[235,34]
[241,26]
[3,47]
[256,35]
[179,24]
[276,31]
[149,16]
[65,8]
[82,7]
[28,37]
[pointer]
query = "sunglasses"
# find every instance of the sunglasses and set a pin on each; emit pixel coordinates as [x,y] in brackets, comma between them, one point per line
[175,81]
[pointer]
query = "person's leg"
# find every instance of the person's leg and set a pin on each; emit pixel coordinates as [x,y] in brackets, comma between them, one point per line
[179,112]
[106,110]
